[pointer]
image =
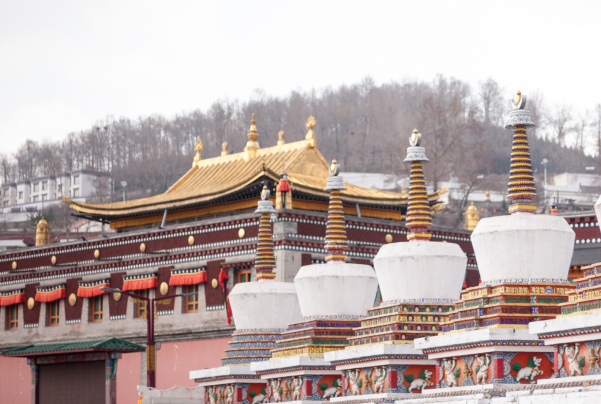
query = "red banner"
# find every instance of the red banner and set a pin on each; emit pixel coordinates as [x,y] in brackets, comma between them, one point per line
[188,277]
[223,282]
[91,289]
[140,282]
[10,298]
[46,295]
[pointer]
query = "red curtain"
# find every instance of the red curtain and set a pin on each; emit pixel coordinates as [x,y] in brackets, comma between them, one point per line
[45,295]
[91,289]
[14,297]
[140,282]
[185,277]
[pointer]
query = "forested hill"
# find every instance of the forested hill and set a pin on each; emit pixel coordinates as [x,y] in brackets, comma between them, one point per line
[365,126]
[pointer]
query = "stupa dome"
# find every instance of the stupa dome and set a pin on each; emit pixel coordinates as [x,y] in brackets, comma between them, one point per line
[522,246]
[419,269]
[336,288]
[265,304]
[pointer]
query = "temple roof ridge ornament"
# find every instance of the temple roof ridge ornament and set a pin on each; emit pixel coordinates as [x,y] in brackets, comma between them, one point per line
[281,138]
[310,136]
[419,216]
[250,151]
[197,148]
[224,150]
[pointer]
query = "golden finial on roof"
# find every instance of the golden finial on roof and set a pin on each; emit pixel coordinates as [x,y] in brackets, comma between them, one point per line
[487,197]
[224,151]
[404,189]
[42,232]
[197,148]
[250,151]
[472,217]
[281,140]
[310,137]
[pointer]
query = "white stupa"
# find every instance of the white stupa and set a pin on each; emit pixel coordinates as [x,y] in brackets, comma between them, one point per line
[261,312]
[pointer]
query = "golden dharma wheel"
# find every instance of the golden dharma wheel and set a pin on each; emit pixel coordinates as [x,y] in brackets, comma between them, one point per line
[96,254]
[388,238]
[241,233]
[142,247]
[53,259]
[191,240]
[14,264]
[117,296]
[30,303]
[72,299]
[214,283]
[164,288]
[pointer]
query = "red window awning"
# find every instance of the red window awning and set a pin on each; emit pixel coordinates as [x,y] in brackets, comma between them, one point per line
[50,294]
[140,282]
[12,297]
[188,276]
[91,289]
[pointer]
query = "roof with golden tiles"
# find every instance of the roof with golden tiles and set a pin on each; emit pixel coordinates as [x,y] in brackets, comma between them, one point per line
[218,177]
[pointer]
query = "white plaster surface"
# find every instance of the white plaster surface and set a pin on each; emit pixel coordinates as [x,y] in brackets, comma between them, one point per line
[336,288]
[174,395]
[565,323]
[371,350]
[264,304]
[420,270]
[293,361]
[220,371]
[480,335]
[523,245]
[366,397]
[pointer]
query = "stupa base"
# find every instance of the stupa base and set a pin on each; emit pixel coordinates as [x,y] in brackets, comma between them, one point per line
[382,371]
[231,384]
[488,356]
[299,379]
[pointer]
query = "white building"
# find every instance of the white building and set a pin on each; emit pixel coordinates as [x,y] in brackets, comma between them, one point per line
[37,193]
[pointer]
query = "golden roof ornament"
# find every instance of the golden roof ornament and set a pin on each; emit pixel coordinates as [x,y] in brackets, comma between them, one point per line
[472,217]
[281,140]
[197,148]
[42,232]
[310,137]
[250,151]
[487,196]
[224,151]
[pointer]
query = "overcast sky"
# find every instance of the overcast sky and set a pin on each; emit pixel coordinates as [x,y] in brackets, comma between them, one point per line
[64,65]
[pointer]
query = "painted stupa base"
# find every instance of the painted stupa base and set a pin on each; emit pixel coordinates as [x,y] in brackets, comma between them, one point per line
[299,379]
[576,340]
[313,336]
[505,356]
[250,346]
[401,321]
[231,385]
[382,372]
[508,303]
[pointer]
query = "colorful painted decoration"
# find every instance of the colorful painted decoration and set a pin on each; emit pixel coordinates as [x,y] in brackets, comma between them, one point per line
[91,289]
[188,276]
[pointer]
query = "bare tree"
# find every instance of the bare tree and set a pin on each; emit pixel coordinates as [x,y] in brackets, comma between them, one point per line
[580,129]
[490,96]
[560,121]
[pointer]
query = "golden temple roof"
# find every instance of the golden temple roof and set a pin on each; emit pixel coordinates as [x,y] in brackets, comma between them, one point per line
[211,179]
